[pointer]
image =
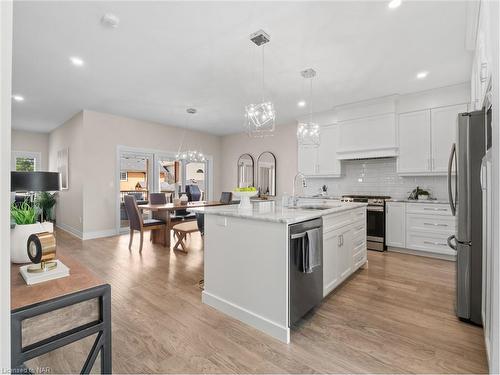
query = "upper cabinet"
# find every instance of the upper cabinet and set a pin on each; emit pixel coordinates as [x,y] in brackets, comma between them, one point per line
[425,140]
[368,137]
[321,161]
[414,142]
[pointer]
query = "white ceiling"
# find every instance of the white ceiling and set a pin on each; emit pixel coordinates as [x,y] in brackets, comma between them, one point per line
[167,56]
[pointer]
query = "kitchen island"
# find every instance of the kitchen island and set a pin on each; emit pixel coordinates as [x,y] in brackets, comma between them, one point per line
[246,260]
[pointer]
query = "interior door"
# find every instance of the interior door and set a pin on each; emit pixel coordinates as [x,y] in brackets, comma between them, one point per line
[414,142]
[443,134]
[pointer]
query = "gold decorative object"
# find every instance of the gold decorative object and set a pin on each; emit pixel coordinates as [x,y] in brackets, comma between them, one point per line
[42,251]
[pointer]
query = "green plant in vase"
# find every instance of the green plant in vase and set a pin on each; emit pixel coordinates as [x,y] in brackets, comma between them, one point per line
[46,201]
[23,213]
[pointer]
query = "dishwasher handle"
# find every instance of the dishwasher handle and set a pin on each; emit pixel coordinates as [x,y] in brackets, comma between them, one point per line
[298,235]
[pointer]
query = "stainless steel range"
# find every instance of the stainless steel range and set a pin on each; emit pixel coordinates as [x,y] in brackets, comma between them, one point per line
[375,219]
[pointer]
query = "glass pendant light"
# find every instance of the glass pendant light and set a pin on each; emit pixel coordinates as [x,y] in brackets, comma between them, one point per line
[308,133]
[260,118]
[189,155]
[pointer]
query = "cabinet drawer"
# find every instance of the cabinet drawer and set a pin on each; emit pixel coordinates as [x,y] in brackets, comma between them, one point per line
[359,258]
[428,209]
[427,241]
[431,223]
[335,221]
[358,231]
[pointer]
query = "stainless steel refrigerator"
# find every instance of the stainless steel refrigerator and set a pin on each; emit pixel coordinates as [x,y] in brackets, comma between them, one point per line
[465,196]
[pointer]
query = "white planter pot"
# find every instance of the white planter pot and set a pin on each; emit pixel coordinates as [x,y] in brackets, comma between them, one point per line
[19,239]
[423,197]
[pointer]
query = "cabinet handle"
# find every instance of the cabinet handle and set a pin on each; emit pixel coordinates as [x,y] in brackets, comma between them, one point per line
[435,209]
[436,224]
[435,243]
[339,242]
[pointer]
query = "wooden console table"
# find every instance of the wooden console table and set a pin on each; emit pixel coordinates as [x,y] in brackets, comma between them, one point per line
[56,313]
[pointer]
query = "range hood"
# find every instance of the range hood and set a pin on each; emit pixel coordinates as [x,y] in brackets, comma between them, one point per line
[383,153]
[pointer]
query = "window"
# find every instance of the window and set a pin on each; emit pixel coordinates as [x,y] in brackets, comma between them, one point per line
[123,176]
[24,161]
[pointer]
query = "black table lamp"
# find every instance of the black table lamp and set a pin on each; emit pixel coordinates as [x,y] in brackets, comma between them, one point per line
[35,181]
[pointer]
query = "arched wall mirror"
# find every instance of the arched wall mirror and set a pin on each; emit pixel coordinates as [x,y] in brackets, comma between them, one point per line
[266,173]
[245,171]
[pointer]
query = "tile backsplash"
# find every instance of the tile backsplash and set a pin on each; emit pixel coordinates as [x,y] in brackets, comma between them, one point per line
[376,177]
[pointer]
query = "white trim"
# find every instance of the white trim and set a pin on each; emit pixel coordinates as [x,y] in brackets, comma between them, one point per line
[99,234]
[5,155]
[73,231]
[26,154]
[427,254]
[265,325]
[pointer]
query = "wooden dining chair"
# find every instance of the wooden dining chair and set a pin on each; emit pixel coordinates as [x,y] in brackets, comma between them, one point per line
[138,223]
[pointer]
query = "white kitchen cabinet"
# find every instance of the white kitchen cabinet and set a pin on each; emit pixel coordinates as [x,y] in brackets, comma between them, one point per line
[321,161]
[344,246]
[308,160]
[443,134]
[368,137]
[331,245]
[345,253]
[423,227]
[414,142]
[395,227]
[425,139]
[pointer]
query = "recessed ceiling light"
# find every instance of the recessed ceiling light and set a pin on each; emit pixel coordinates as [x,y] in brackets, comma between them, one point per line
[393,4]
[422,75]
[18,98]
[76,61]
[110,20]
[301,103]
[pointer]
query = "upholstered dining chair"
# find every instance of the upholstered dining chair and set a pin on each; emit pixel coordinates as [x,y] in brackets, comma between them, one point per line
[157,198]
[137,223]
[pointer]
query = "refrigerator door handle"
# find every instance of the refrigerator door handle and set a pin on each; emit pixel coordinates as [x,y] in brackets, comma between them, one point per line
[449,239]
[450,192]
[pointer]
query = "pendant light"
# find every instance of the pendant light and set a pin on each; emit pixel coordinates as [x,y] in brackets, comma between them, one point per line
[308,133]
[260,118]
[189,155]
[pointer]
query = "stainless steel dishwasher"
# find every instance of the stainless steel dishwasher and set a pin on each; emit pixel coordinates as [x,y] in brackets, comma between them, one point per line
[305,285]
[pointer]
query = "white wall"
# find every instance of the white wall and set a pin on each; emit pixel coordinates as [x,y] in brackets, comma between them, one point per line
[283,144]
[5,129]
[33,142]
[69,207]
[103,133]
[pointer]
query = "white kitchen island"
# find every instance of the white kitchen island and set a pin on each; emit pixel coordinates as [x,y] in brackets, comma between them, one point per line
[246,260]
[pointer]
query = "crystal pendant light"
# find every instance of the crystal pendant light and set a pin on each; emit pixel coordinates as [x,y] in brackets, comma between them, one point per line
[308,133]
[189,155]
[260,118]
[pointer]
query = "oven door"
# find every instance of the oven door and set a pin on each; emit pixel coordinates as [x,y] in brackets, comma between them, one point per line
[375,227]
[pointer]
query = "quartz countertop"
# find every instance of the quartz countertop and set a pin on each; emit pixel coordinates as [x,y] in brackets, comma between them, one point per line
[273,212]
[406,200]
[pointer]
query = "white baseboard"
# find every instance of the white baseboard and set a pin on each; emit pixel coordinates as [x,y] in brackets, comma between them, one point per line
[70,230]
[99,234]
[420,253]
[262,324]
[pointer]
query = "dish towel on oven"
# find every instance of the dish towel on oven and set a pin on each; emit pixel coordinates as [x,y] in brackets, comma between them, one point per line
[311,253]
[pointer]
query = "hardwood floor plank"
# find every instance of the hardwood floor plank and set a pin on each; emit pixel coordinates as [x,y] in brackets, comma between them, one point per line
[397,316]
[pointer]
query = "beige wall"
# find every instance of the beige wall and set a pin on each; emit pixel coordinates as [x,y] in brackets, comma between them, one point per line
[33,142]
[69,207]
[103,134]
[283,144]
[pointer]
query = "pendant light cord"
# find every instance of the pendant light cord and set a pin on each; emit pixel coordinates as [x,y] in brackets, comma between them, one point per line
[311,100]
[263,87]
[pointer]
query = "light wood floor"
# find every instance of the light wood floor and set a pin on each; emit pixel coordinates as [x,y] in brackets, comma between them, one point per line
[394,317]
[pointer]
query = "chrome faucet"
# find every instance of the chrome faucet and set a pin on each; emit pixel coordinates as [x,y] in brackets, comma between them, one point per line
[295,198]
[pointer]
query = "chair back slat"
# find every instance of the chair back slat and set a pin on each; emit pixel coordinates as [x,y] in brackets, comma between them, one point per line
[226,197]
[134,217]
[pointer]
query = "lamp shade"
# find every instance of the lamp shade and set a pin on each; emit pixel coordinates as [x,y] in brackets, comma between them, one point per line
[35,181]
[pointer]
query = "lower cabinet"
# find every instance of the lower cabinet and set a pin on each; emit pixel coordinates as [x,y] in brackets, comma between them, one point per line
[344,246]
[423,227]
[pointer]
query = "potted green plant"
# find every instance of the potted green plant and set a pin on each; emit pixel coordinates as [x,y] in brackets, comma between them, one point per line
[25,216]
[46,201]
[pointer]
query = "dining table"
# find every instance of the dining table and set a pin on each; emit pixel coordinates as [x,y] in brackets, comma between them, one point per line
[164,212]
